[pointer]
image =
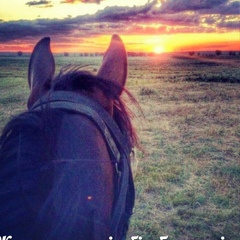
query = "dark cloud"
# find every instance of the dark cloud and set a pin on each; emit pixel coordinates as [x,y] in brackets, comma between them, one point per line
[124,13]
[170,6]
[23,29]
[232,8]
[178,19]
[200,6]
[209,16]
[39,3]
[230,24]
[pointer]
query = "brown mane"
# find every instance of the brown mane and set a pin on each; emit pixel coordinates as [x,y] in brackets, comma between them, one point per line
[73,78]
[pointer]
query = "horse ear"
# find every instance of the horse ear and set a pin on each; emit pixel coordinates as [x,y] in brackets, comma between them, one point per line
[114,65]
[40,70]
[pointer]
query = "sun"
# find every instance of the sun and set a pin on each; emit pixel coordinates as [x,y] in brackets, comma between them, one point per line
[158,49]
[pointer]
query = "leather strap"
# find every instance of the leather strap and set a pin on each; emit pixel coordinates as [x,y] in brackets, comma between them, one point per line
[117,143]
[86,103]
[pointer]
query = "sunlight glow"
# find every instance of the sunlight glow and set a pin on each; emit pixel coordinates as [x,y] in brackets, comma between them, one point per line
[158,49]
[136,43]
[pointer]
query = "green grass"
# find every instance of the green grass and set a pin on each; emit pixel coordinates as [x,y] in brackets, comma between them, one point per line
[188,178]
[13,87]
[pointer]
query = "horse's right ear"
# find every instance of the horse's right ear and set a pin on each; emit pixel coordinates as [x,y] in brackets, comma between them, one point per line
[40,70]
[114,65]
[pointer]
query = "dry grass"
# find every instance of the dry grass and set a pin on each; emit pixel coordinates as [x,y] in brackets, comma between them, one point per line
[188,178]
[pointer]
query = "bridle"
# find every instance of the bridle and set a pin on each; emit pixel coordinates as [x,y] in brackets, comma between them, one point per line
[118,146]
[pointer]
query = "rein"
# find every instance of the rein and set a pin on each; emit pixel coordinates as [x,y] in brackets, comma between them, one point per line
[116,142]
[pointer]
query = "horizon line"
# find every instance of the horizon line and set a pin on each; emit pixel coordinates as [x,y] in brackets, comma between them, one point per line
[128,52]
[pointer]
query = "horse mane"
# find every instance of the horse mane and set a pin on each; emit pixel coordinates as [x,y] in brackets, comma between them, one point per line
[73,78]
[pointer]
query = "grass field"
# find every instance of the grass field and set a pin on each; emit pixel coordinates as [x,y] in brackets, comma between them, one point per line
[188,178]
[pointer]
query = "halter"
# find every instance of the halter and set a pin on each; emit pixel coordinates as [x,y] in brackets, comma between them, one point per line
[116,143]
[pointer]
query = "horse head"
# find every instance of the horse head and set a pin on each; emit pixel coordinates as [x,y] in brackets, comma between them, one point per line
[42,67]
[66,160]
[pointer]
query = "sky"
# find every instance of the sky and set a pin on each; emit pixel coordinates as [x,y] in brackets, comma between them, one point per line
[144,25]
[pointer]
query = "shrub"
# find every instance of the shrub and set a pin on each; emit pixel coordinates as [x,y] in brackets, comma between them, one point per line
[218,52]
[144,91]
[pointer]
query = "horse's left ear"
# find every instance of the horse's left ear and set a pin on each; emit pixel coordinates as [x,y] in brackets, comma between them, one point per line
[114,65]
[40,70]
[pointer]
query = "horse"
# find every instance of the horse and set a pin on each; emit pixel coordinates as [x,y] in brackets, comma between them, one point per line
[65,169]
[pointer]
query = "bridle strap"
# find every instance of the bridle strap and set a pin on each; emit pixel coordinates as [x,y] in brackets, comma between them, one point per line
[66,97]
[118,145]
[83,109]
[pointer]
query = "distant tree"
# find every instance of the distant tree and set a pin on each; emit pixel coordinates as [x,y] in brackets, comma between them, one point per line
[232,53]
[218,52]
[19,53]
[191,53]
[66,54]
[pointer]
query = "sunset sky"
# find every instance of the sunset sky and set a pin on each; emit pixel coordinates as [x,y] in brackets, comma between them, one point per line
[144,25]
